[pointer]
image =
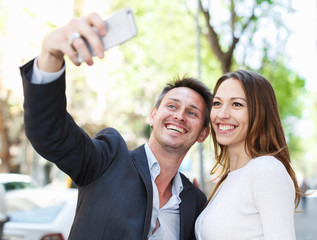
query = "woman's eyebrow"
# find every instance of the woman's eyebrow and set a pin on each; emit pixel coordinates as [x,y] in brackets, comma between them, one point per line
[233,98]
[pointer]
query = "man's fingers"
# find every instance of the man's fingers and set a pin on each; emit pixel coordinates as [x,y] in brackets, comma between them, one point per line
[81,48]
[97,30]
[73,40]
[96,21]
[196,183]
[87,28]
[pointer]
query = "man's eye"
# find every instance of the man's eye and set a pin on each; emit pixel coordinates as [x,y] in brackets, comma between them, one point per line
[171,106]
[192,114]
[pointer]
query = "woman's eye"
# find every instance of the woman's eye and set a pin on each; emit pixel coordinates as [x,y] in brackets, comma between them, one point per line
[216,103]
[236,104]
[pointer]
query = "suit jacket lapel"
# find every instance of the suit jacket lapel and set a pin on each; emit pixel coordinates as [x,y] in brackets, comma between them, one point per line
[140,161]
[187,211]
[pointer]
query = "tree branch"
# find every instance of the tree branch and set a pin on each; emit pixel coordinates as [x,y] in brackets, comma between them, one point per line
[211,36]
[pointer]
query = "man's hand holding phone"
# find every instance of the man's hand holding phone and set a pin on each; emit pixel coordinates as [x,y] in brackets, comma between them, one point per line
[83,38]
[120,28]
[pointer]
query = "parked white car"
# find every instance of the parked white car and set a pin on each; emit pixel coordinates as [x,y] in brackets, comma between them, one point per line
[40,214]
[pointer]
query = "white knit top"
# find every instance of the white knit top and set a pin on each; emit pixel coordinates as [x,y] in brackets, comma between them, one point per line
[254,202]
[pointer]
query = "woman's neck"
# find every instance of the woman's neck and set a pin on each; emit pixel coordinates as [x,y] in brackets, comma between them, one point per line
[238,158]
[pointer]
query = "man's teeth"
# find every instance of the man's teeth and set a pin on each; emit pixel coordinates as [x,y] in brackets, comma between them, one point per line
[226,127]
[177,129]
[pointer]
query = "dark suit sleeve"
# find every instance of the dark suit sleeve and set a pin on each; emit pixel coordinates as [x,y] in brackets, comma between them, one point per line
[55,136]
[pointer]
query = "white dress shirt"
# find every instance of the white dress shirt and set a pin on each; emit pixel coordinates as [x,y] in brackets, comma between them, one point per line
[168,216]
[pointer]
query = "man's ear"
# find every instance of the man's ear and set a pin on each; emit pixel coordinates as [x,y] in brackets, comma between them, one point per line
[203,134]
[152,115]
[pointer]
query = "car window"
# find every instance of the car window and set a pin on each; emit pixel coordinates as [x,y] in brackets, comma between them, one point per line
[15,181]
[17,185]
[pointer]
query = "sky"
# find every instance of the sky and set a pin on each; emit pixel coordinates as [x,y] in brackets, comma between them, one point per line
[302,48]
[302,45]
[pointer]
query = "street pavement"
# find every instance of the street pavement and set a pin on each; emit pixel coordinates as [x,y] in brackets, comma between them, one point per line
[306,221]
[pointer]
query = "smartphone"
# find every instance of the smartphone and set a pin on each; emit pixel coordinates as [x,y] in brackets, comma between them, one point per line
[120,28]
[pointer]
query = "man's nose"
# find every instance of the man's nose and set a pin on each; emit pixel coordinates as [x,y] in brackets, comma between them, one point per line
[180,115]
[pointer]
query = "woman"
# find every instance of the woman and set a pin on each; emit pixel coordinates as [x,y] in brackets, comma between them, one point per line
[257,193]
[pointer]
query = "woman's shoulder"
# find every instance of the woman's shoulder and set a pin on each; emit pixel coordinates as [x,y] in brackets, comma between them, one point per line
[266,166]
[266,162]
[268,175]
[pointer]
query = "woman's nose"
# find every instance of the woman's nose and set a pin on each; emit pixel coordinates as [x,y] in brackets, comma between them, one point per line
[224,112]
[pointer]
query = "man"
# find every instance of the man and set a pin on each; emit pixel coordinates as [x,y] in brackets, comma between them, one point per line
[123,194]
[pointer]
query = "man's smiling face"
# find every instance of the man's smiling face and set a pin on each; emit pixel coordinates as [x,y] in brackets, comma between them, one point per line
[178,122]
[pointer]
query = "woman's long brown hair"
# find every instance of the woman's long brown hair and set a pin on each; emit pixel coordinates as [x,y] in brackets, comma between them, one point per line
[265,135]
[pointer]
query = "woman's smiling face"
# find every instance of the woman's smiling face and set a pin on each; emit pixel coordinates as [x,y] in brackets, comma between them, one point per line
[229,114]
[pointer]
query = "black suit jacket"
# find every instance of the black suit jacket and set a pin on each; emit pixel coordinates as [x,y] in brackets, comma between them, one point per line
[115,191]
